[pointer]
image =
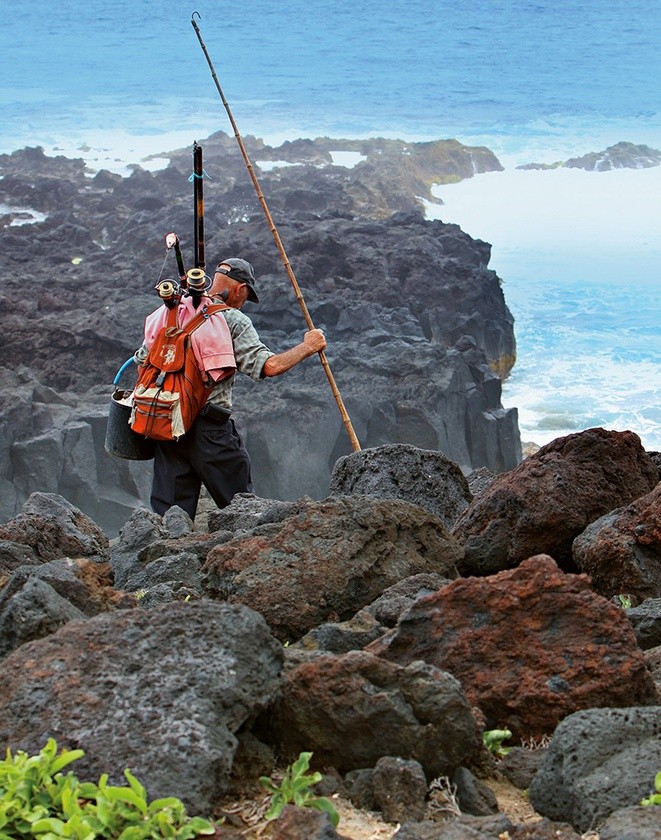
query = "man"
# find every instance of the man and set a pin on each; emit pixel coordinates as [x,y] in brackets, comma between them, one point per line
[212,451]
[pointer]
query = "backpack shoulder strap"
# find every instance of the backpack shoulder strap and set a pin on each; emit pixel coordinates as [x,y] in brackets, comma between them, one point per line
[203,315]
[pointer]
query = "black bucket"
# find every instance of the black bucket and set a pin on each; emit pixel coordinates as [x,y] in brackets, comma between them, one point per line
[121,440]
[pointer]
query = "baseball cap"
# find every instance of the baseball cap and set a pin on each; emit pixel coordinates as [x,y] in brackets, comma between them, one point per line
[243,272]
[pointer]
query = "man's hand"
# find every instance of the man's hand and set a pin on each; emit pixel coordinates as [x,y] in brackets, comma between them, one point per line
[315,341]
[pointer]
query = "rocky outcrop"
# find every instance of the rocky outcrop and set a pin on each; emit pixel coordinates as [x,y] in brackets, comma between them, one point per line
[620,156]
[419,333]
[551,497]
[529,646]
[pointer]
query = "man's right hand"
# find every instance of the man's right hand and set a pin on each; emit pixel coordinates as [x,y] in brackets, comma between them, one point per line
[315,341]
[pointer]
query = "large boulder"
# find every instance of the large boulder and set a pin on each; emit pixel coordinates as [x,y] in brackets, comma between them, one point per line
[161,691]
[353,709]
[621,551]
[599,761]
[529,646]
[328,561]
[402,471]
[52,527]
[550,498]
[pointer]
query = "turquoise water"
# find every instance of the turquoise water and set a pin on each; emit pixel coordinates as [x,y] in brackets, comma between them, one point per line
[579,253]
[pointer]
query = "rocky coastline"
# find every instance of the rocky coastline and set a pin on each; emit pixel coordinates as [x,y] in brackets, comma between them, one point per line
[376,628]
[420,336]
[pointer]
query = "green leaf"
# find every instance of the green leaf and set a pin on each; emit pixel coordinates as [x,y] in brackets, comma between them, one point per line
[48,824]
[321,803]
[65,758]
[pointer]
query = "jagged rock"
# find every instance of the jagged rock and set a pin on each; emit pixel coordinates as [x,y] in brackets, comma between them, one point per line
[247,511]
[551,497]
[15,554]
[373,620]
[34,611]
[634,823]
[388,607]
[598,761]
[401,471]
[400,788]
[161,691]
[621,551]
[304,824]
[620,156]
[520,765]
[415,712]
[538,646]
[84,583]
[328,561]
[343,636]
[52,527]
[473,796]
[646,622]
[464,827]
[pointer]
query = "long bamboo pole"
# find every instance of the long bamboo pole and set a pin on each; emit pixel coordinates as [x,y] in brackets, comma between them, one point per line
[283,254]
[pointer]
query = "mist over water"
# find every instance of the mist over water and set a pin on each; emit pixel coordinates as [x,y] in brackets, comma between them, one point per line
[579,253]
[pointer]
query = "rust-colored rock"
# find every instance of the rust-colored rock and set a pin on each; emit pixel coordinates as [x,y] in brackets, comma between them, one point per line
[550,498]
[529,646]
[329,560]
[353,709]
[622,550]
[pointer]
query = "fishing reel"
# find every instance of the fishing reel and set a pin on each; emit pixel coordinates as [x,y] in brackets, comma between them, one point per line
[197,282]
[169,292]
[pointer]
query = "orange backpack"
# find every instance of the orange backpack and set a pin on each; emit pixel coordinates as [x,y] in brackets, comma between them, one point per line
[170,391]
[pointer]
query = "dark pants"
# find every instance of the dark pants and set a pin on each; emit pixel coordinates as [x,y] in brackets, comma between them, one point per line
[211,453]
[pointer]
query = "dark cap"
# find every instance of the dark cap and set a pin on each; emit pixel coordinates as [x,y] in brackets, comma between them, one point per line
[243,272]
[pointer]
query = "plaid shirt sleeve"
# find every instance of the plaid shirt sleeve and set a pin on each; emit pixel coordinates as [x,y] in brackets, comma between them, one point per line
[249,350]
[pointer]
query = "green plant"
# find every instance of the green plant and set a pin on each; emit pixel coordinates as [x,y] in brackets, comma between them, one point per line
[37,800]
[654,798]
[625,601]
[296,789]
[493,741]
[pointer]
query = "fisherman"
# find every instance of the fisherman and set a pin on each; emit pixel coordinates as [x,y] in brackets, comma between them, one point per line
[212,451]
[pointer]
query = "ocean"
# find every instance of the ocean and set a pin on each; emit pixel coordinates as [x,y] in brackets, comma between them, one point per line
[579,253]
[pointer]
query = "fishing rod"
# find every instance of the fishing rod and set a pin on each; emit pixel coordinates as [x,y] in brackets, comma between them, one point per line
[283,254]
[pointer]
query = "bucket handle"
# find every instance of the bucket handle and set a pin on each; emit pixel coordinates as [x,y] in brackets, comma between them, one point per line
[121,370]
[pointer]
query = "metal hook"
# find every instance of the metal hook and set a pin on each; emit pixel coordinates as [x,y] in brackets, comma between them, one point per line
[193,15]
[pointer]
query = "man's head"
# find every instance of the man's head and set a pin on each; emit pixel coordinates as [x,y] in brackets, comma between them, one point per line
[238,278]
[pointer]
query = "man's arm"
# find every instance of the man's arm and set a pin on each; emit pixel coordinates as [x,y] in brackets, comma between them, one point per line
[313,342]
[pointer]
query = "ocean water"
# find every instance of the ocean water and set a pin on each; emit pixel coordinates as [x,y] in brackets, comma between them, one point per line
[579,253]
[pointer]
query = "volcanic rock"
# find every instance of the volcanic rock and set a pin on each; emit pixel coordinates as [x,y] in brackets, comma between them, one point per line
[161,691]
[623,549]
[542,505]
[529,646]
[400,471]
[599,760]
[328,561]
[353,709]
[419,333]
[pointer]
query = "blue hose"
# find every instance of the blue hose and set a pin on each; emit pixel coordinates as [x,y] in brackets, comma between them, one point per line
[122,369]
